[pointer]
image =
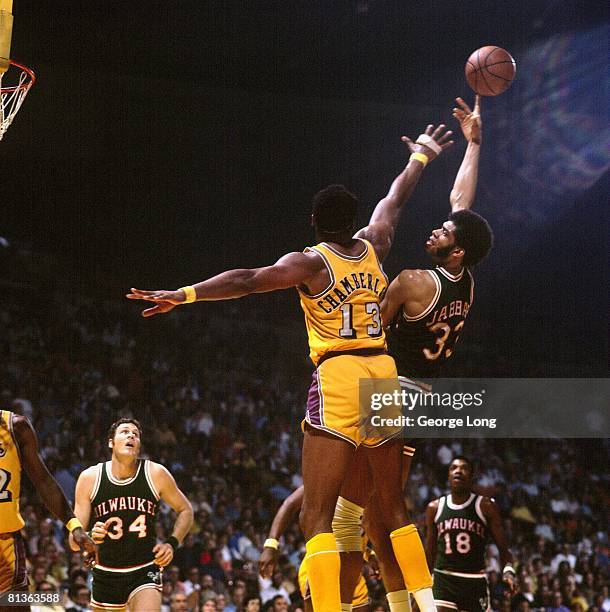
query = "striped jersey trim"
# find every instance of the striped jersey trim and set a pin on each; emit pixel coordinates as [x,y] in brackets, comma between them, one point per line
[329,270]
[11,430]
[123,570]
[462,574]
[322,552]
[439,510]
[478,510]
[116,481]
[454,278]
[348,257]
[98,480]
[108,606]
[409,451]
[471,286]
[443,603]
[149,479]
[453,506]
[432,304]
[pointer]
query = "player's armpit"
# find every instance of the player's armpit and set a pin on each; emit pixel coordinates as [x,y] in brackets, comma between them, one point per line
[170,493]
[412,289]
[50,492]
[492,513]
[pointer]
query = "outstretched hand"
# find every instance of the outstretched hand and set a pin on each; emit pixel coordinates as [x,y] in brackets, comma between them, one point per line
[164,300]
[439,135]
[470,120]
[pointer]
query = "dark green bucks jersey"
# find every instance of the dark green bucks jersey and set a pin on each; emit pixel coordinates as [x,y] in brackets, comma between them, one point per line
[128,507]
[462,535]
[421,345]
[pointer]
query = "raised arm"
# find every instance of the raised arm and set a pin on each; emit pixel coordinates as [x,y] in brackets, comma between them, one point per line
[47,487]
[431,533]
[286,513]
[291,270]
[384,220]
[465,186]
[170,493]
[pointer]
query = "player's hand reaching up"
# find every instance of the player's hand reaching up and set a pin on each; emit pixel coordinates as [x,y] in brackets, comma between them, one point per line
[431,143]
[470,120]
[164,553]
[164,300]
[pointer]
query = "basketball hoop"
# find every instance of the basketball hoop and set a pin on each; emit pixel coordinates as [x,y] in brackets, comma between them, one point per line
[14,95]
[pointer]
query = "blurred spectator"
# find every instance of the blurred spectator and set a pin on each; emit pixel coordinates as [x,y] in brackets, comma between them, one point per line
[227,423]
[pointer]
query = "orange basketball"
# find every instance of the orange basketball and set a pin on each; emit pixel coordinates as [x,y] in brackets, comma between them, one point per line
[490,70]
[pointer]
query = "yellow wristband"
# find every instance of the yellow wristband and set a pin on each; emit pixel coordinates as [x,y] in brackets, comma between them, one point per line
[73,524]
[189,292]
[420,157]
[271,543]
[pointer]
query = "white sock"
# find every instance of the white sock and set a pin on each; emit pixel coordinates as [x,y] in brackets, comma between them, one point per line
[425,600]
[399,601]
[346,607]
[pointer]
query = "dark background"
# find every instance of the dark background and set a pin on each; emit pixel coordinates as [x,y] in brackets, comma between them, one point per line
[165,142]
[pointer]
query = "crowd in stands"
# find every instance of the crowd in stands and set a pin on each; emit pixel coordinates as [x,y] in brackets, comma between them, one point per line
[220,393]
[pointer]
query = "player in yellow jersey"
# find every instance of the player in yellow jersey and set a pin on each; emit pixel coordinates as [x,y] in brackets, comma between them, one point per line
[341,285]
[19,449]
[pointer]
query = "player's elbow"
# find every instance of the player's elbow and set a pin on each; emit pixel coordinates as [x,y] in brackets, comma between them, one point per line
[458,201]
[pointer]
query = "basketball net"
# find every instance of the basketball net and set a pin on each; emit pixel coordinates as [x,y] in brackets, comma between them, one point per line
[12,96]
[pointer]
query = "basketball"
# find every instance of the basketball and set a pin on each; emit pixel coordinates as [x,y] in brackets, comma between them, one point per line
[490,70]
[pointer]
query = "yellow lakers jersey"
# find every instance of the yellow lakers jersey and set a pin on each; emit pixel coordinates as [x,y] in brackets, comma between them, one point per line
[10,476]
[347,314]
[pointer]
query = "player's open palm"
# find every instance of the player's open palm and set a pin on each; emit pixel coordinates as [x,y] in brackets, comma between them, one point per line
[164,553]
[431,143]
[164,300]
[470,120]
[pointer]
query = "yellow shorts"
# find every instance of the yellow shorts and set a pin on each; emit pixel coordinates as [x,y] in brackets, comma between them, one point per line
[361,592]
[13,575]
[339,399]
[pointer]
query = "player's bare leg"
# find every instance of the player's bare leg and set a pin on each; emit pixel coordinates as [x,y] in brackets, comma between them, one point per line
[100,609]
[145,599]
[356,489]
[326,459]
[390,570]
[385,462]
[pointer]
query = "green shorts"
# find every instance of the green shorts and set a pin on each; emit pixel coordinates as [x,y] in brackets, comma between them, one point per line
[460,593]
[115,589]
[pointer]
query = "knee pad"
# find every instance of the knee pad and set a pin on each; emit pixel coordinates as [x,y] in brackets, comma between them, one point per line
[347,526]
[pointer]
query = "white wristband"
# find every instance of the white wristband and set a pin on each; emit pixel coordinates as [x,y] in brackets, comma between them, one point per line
[271,543]
[428,141]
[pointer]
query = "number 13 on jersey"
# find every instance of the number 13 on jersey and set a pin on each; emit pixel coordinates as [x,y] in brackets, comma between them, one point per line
[348,327]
